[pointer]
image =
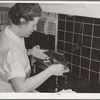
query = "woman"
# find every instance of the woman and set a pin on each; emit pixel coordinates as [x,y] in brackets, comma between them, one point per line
[14,62]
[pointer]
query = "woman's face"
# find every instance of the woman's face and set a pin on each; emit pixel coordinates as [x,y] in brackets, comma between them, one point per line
[29,27]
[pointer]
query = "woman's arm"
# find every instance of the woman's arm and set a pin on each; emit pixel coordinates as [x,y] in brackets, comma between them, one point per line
[22,84]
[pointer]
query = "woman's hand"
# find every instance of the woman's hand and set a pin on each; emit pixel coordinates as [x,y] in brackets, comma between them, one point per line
[58,69]
[37,52]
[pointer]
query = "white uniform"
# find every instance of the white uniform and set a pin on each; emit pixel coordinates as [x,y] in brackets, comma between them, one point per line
[14,61]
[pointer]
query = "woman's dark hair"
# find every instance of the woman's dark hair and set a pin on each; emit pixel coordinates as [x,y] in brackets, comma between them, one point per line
[24,10]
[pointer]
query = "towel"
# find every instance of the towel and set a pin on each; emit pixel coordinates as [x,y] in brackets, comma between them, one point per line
[67,91]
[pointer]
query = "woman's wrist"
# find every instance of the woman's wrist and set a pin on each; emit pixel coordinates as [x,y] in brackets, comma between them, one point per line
[50,70]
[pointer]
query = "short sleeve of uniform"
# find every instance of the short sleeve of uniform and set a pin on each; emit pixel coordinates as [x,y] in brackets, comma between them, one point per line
[15,66]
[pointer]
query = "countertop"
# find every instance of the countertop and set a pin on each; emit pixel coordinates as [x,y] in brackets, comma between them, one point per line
[67,81]
[75,83]
[81,85]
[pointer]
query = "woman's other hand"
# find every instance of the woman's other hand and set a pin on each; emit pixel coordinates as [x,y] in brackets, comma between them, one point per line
[37,52]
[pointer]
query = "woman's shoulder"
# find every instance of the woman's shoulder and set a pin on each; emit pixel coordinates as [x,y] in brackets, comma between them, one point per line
[4,41]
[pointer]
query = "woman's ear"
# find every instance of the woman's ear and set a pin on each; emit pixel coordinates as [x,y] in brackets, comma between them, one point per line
[23,21]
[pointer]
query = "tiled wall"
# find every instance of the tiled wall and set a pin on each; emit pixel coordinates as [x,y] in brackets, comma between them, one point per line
[85,31]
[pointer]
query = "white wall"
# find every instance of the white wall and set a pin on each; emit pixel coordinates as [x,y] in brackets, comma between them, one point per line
[83,9]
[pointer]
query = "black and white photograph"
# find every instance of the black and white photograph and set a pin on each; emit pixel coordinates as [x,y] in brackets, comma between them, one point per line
[50,47]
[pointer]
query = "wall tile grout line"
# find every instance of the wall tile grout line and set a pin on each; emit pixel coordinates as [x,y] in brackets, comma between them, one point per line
[81,47]
[72,43]
[91,49]
[64,35]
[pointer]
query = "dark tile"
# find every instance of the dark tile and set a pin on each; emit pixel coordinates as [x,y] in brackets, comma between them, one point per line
[86,52]
[68,47]
[60,35]
[75,70]
[94,76]
[87,29]
[79,18]
[68,57]
[78,27]
[69,26]
[87,41]
[96,42]
[84,19]
[77,38]
[95,65]
[96,31]
[85,63]
[61,25]
[76,60]
[68,36]
[88,20]
[75,50]
[95,55]
[84,73]
[97,21]
[61,16]
[69,17]
[60,45]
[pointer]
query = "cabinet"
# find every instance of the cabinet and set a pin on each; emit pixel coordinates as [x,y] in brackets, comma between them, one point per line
[4,19]
[74,8]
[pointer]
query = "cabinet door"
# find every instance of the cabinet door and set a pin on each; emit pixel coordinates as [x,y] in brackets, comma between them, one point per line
[6,19]
[1,17]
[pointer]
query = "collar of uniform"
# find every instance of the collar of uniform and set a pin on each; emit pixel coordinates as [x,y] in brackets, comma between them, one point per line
[14,37]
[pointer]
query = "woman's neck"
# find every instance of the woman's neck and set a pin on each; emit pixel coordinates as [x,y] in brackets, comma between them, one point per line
[15,29]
